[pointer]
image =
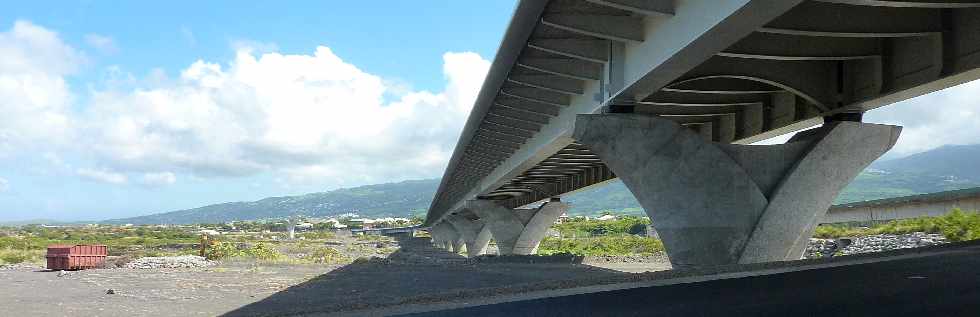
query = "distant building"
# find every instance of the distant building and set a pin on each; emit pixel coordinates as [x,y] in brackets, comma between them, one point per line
[210,232]
[334,223]
[362,222]
[563,218]
[606,218]
[347,215]
[304,226]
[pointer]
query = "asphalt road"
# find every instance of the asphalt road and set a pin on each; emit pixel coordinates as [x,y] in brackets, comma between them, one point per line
[945,284]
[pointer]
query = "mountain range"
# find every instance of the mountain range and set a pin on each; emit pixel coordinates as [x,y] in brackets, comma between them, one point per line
[945,168]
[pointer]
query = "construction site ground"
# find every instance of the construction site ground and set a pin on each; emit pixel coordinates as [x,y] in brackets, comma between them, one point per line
[415,273]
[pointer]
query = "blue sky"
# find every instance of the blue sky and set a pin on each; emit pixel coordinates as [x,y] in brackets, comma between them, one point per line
[393,39]
[124,108]
[124,45]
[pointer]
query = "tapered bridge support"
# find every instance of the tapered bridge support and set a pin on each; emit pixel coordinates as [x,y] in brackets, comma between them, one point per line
[715,203]
[444,235]
[517,231]
[474,233]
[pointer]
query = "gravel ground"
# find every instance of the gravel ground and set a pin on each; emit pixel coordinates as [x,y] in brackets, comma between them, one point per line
[28,267]
[242,288]
[143,292]
[419,273]
[819,248]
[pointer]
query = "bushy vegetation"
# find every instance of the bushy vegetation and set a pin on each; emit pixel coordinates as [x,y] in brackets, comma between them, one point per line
[960,226]
[602,245]
[581,227]
[326,255]
[16,256]
[317,235]
[623,236]
[29,243]
[371,237]
[956,225]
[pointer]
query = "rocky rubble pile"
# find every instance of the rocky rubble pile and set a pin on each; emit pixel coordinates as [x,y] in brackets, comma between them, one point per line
[873,243]
[170,262]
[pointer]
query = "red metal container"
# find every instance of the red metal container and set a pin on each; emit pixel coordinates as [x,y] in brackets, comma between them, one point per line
[76,257]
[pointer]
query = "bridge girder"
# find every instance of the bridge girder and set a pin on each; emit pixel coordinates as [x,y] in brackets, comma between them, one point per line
[735,72]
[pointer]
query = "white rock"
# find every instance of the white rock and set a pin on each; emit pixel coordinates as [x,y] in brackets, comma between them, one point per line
[170,262]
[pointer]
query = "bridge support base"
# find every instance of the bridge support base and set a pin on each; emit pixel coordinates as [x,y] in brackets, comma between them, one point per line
[715,203]
[517,231]
[475,234]
[457,245]
[444,236]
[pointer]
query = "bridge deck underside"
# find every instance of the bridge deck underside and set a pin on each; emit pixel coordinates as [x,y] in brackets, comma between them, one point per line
[572,168]
[819,58]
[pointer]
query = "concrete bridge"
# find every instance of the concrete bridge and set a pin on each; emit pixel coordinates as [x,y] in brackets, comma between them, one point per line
[666,95]
[406,231]
[924,205]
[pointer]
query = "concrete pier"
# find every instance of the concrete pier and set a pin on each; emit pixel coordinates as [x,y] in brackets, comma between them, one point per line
[517,231]
[444,235]
[474,233]
[715,203]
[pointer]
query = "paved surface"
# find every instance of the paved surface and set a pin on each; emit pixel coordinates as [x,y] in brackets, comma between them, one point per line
[943,284]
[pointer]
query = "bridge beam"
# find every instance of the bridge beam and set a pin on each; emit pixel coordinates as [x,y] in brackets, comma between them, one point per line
[715,203]
[474,233]
[517,231]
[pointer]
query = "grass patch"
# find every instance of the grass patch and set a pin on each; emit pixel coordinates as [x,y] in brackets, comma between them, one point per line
[261,251]
[602,245]
[326,255]
[582,227]
[956,226]
[318,235]
[371,238]
[17,256]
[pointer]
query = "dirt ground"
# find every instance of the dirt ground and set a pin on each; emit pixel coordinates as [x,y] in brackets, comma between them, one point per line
[153,292]
[415,273]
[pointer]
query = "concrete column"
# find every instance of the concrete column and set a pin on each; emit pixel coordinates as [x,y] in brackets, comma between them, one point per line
[714,203]
[517,231]
[474,233]
[444,235]
[457,245]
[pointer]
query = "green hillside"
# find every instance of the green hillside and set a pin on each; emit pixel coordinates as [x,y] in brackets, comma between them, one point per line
[392,200]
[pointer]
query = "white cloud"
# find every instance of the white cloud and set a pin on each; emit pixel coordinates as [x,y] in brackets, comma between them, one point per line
[34,97]
[104,44]
[102,175]
[309,117]
[301,117]
[159,179]
[929,121]
[4,185]
[944,117]
[254,46]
